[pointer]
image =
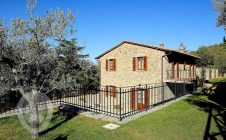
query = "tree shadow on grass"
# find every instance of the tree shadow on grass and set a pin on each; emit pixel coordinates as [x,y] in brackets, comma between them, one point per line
[216,115]
[69,112]
[61,137]
[219,95]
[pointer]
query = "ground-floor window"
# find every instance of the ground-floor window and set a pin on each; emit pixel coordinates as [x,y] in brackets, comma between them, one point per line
[140,96]
[111,91]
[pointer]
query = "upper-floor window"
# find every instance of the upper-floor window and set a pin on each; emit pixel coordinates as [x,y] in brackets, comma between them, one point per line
[140,63]
[110,64]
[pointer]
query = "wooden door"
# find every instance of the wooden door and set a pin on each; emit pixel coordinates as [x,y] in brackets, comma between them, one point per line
[146,98]
[142,99]
[113,92]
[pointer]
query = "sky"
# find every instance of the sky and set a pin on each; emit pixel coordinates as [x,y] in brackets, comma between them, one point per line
[102,24]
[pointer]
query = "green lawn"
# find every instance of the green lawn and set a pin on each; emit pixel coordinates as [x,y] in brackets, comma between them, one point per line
[218,80]
[186,119]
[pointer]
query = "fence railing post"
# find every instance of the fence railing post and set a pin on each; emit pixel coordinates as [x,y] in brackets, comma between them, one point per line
[148,95]
[175,90]
[120,105]
[60,98]
[84,101]
[163,92]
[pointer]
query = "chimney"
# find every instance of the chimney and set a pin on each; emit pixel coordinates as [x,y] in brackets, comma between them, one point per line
[182,48]
[161,45]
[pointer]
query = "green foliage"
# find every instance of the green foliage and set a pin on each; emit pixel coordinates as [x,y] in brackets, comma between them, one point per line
[206,56]
[74,63]
[213,56]
[218,80]
[31,64]
[220,7]
[29,60]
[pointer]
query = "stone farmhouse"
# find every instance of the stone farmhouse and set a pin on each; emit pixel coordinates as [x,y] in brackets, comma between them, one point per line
[133,66]
[130,63]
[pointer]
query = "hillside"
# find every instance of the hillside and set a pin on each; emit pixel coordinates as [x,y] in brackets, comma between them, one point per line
[213,56]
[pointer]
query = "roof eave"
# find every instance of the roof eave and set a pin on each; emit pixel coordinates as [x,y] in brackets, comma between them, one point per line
[147,46]
[134,43]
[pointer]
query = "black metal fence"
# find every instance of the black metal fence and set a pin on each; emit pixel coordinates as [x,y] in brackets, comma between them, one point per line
[119,102]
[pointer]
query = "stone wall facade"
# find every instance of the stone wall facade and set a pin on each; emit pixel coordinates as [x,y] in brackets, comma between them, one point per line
[124,75]
[209,73]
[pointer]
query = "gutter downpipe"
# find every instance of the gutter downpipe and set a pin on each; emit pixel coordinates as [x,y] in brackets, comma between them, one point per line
[162,76]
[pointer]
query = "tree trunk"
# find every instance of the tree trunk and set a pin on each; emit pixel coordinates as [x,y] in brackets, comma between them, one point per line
[32,100]
[34,117]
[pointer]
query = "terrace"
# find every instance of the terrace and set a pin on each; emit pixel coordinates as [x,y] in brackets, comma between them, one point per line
[180,75]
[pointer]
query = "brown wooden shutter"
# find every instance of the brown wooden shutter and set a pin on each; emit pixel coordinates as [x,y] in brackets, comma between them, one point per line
[134,63]
[106,90]
[114,91]
[114,64]
[132,98]
[172,70]
[178,70]
[145,63]
[146,98]
[106,64]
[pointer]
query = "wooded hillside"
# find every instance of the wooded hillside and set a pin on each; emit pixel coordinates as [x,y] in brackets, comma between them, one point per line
[213,56]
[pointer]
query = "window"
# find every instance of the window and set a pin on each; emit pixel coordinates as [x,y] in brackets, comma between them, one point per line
[140,63]
[140,96]
[111,90]
[110,64]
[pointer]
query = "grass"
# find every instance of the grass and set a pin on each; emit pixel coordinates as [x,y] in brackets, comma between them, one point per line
[218,80]
[182,120]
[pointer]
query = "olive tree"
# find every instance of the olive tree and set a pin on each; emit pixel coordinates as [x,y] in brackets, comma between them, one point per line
[220,7]
[32,61]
